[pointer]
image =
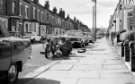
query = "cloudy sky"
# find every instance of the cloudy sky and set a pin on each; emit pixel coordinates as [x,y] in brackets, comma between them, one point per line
[82,9]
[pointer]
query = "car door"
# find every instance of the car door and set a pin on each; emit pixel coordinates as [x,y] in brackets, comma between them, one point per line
[21,51]
[5,55]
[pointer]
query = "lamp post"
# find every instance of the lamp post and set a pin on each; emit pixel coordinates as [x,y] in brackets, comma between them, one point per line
[94,18]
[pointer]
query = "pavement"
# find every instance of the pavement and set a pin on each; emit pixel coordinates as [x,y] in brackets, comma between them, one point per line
[98,65]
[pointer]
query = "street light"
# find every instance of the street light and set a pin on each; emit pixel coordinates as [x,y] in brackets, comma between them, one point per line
[94,17]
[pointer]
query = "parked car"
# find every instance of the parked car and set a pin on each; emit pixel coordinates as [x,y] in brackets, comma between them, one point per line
[35,38]
[14,52]
[76,42]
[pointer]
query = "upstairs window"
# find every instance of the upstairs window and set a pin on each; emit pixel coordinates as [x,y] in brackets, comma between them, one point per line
[26,11]
[13,7]
[131,27]
[42,18]
[47,16]
[34,9]
[20,9]
[1,3]
[39,15]
[38,11]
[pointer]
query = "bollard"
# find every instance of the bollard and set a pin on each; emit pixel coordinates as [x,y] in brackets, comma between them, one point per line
[132,55]
[122,50]
[126,51]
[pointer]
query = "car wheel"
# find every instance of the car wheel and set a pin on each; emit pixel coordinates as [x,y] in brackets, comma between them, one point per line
[82,45]
[32,40]
[12,74]
[49,54]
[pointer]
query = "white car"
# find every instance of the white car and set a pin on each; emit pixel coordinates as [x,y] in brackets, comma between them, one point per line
[35,38]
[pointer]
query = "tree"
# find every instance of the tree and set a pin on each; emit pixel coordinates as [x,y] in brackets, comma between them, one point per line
[47,5]
[55,10]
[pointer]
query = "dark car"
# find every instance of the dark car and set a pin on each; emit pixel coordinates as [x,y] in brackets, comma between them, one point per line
[76,42]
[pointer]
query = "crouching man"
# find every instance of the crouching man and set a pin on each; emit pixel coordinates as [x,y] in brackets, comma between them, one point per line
[66,47]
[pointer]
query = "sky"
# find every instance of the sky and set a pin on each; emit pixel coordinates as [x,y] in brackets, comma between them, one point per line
[82,10]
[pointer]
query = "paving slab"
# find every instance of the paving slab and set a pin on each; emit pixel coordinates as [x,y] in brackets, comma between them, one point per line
[55,74]
[116,70]
[106,81]
[114,67]
[81,74]
[61,67]
[86,67]
[92,61]
[69,61]
[70,74]
[113,62]
[115,75]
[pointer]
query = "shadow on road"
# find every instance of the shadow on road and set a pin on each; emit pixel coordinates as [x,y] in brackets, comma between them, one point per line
[37,81]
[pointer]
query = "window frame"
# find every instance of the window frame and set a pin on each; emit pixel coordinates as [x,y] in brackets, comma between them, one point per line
[26,11]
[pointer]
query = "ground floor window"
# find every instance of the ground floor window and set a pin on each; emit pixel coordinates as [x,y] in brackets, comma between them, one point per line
[1,32]
[26,26]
